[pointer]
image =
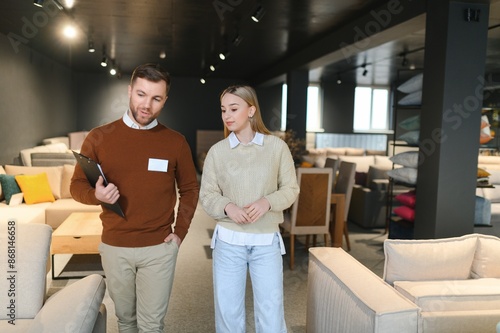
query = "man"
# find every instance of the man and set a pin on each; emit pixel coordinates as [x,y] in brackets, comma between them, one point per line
[143,162]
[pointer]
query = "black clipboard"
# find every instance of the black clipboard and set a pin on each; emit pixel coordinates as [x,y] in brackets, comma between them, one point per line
[93,170]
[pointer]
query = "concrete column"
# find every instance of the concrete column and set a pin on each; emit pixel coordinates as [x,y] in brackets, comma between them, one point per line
[455,55]
[297,82]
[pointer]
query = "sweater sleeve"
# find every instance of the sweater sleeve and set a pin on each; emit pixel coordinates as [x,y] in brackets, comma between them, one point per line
[288,189]
[187,183]
[211,197]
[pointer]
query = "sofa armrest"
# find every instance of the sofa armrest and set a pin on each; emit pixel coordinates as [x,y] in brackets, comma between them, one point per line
[73,309]
[340,288]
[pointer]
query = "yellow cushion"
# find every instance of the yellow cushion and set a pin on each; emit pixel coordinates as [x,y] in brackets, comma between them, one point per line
[53,173]
[35,188]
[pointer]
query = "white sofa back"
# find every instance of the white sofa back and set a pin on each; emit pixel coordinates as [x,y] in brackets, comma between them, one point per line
[455,258]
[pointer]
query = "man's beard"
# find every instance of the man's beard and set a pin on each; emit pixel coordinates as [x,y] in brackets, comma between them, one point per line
[135,115]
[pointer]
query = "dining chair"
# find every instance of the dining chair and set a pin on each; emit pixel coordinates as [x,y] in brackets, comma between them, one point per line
[344,185]
[310,213]
[334,164]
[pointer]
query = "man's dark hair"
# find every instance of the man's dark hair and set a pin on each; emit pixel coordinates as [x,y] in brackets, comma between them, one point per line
[151,72]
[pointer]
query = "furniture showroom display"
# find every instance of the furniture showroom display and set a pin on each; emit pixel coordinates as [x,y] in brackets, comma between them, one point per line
[24,252]
[429,286]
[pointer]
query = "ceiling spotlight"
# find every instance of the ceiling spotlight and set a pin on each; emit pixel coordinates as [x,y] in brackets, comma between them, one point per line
[112,71]
[339,81]
[258,14]
[237,40]
[104,61]
[365,71]
[70,31]
[212,68]
[38,3]
[91,46]
[163,54]
[223,55]
[202,80]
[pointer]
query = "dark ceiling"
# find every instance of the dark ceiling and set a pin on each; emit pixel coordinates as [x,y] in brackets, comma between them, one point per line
[291,34]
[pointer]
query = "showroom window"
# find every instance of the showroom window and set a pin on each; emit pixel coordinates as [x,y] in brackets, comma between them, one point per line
[371,109]
[314,122]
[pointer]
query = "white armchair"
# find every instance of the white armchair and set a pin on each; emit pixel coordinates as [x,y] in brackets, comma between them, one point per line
[24,253]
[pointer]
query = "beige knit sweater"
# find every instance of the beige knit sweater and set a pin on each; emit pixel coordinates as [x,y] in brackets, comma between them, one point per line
[244,174]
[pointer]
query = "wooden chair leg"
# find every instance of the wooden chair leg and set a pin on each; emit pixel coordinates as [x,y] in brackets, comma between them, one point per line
[314,240]
[346,234]
[307,241]
[292,251]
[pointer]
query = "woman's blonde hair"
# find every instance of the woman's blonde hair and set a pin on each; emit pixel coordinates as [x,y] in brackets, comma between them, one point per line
[248,94]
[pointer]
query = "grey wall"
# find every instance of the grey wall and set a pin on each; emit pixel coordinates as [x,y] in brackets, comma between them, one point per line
[36,99]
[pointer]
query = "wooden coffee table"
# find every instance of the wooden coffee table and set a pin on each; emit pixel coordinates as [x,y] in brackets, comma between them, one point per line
[80,233]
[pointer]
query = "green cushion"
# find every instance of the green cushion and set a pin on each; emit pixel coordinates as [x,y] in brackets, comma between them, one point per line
[9,186]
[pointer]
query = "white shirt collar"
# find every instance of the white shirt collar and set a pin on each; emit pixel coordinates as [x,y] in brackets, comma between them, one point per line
[258,139]
[130,123]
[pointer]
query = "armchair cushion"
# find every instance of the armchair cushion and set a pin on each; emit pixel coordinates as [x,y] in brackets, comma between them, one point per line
[73,309]
[486,262]
[408,260]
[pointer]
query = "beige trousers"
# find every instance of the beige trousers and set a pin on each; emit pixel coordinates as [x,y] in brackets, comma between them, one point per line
[139,281]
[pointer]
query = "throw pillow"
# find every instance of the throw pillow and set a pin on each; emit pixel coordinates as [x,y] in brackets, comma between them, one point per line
[486,262]
[405,212]
[411,137]
[414,98]
[429,259]
[413,84]
[53,173]
[408,159]
[408,198]
[481,173]
[9,186]
[411,124]
[404,175]
[35,188]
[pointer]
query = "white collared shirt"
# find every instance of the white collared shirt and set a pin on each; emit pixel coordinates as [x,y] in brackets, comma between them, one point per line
[130,123]
[244,238]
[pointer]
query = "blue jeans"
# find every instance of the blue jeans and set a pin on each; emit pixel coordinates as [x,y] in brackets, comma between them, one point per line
[230,264]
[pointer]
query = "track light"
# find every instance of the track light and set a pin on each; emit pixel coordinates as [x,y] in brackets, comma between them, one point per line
[237,40]
[202,80]
[365,71]
[258,14]
[223,55]
[104,61]
[212,68]
[339,81]
[38,3]
[91,46]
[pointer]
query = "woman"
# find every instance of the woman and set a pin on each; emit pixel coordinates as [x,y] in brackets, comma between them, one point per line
[248,180]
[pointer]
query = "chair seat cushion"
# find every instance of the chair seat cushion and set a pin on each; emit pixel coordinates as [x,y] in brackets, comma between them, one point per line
[452,295]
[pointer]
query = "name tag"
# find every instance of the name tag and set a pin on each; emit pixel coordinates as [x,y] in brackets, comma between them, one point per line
[157,165]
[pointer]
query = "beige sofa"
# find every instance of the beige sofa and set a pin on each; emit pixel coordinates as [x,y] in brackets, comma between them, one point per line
[438,285]
[51,213]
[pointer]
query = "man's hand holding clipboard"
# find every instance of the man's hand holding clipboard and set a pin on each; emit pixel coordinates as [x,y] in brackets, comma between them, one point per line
[106,193]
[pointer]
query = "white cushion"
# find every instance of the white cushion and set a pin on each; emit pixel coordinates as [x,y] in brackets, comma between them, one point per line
[413,84]
[486,262]
[431,259]
[407,159]
[383,162]
[415,98]
[404,174]
[50,148]
[452,295]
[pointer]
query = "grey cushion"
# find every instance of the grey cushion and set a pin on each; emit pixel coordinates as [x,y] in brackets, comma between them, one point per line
[52,159]
[73,309]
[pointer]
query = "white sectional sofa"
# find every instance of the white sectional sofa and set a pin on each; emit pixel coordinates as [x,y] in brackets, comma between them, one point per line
[429,286]
[45,212]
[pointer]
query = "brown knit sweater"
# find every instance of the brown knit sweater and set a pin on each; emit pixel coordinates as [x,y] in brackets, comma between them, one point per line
[148,198]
